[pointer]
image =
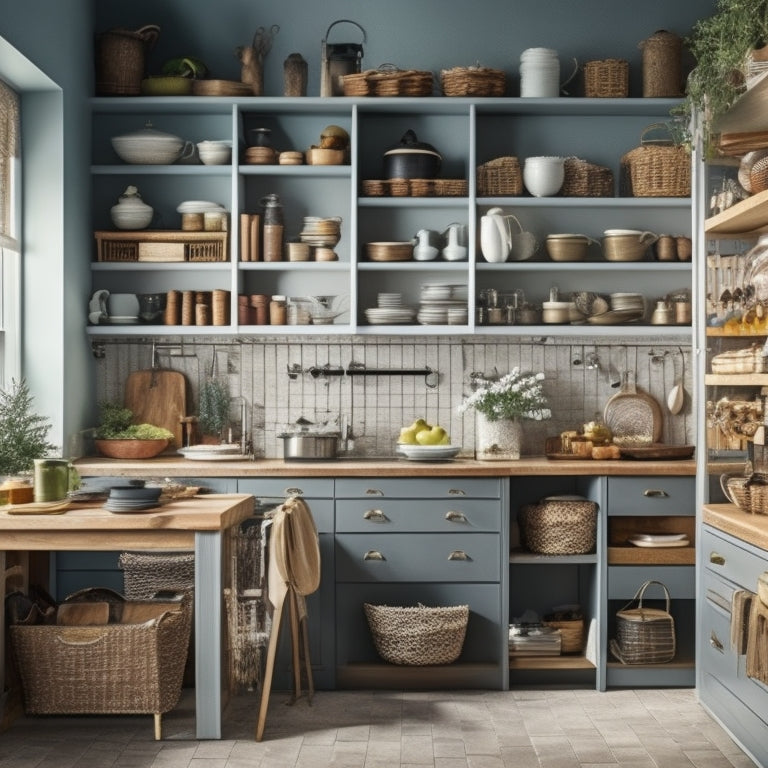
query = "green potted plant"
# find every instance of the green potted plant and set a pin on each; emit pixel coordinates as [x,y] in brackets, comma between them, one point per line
[213,410]
[722,46]
[23,433]
[119,438]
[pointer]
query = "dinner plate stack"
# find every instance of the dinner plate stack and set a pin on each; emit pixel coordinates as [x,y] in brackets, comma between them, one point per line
[628,302]
[132,499]
[390,310]
[319,231]
[441,304]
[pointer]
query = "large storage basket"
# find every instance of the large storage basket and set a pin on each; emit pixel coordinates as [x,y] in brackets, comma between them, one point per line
[657,168]
[105,669]
[606,78]
[500,177]
[584,179]
[558,526]
[146,573]
[417,635]
[161,246]
[644,635]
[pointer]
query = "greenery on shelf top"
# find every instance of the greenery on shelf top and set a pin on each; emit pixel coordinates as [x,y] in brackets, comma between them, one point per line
[23,433]
[213,409]
[116,424]
[721,45]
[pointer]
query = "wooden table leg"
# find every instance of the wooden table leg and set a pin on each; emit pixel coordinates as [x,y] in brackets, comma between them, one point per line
[269,668]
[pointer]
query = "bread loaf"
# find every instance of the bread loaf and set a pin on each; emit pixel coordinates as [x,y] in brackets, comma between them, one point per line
[748,360]
[606,452]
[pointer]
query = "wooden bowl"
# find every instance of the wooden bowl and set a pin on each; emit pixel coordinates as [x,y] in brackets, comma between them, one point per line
[131,449]
[319,156]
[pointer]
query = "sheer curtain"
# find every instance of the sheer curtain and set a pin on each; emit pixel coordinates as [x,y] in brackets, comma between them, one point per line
[9,152]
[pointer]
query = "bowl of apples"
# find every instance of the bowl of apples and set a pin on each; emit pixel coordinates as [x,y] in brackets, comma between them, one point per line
[422,441]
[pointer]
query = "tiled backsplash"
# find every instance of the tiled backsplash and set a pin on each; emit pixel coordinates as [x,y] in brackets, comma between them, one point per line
[278,381]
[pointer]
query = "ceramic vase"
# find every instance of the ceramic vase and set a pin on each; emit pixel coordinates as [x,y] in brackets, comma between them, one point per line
[498,440]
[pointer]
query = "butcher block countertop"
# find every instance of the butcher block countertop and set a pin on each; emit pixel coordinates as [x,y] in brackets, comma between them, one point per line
[177,466]
[730,519]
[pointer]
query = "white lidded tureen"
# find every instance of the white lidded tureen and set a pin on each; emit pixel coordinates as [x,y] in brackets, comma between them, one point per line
[148,146]
[131,212]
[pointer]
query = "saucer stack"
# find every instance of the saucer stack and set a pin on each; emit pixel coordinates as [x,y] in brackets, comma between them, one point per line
[132,499]
[390,310]
[440,304]
[629,303]
[318,231]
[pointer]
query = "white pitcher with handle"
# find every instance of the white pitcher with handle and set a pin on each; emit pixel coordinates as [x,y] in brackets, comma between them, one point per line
[495,236]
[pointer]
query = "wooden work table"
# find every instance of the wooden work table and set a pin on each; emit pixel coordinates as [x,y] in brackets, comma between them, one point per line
[177,466]
[743,525]
[197,524]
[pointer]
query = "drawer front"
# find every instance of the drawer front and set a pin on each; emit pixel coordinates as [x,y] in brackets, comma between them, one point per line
[651,495]
[454,515]
[732,561]
[717,655]
[279,487]
[419,487]
[625,580]
[418,557]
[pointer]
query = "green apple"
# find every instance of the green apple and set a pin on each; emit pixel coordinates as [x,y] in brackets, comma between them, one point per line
[433,436]
[446,440]
[407,435]
[420,424]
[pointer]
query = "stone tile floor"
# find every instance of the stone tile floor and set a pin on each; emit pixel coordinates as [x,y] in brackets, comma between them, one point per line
[384,729]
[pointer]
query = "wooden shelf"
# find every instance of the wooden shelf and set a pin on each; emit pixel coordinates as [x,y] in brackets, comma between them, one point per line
[630,555]
[748,218]
[388,676]
[736,379]
[575,661]
[720,331]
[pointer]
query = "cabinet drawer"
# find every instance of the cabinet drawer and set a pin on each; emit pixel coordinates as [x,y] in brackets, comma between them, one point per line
[418,557]
[449,515]
[419,487]
[625,580]
[278,487]
[732,560]
[717,655]
[651,495]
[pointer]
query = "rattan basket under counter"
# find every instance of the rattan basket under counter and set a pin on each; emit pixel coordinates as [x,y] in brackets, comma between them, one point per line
[161,246]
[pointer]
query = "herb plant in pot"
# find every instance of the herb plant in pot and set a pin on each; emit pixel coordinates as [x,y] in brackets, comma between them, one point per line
[213,411]
[118,438]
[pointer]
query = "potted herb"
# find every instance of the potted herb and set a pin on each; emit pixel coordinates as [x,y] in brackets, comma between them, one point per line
[23,433]
[119,438]
[213,410]
[722,46]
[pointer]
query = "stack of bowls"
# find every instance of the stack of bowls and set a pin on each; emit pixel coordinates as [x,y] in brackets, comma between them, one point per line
[543,176]
[215,152]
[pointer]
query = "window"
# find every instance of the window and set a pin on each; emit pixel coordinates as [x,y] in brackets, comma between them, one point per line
[10,257]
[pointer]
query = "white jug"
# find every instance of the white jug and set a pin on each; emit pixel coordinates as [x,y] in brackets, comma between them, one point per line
[495,236]
[540,73]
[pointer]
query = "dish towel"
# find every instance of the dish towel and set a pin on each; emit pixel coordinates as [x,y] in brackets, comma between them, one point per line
[741,604]
[757,642]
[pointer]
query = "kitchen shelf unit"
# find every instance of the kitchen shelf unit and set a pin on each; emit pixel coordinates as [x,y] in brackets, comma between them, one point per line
[466,131]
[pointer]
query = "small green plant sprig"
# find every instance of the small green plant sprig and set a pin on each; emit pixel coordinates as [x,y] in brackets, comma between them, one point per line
[213,410]
[116,425]
[23,433]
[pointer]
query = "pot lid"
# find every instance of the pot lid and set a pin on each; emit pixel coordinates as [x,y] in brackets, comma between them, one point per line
[410,144]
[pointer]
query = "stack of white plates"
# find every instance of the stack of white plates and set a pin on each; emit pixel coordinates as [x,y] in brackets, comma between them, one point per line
[199,206]
[389,315]
[628,301]
[222,452]
[440,291]
[318,231]
[390,300]
[660,540]
[440,304]
[428,452]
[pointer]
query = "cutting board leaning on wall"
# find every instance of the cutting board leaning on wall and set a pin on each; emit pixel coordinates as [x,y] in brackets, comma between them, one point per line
[158,397]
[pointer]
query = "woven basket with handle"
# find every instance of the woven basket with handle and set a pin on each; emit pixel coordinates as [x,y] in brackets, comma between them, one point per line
[657,168]
[417,635]
[473,81]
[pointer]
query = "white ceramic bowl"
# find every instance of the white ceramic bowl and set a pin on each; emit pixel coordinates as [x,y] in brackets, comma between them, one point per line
[543,176]
[130,218]
[150,147]
[215,152]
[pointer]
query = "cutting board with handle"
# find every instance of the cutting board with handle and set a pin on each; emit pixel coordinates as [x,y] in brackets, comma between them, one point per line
[158,397]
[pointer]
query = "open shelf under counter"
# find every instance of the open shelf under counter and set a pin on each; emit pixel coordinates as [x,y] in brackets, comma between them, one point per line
[565,661]
[434,676]
[302,171]
[521,557]
[585,266]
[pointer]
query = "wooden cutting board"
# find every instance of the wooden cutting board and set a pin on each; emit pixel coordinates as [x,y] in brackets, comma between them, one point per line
[158,397]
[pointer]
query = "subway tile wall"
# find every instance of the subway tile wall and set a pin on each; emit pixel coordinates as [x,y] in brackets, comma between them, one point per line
[276,381]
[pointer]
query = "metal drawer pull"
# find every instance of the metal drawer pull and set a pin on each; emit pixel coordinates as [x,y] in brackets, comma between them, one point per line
[373,492]
[294,492]
[372,554]
[375,515]
[716,558]
[459,554]
[655,493]
[456,492]
[456,517]
[715,642]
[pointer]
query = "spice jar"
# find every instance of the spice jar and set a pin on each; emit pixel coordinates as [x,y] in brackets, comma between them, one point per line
[277,310]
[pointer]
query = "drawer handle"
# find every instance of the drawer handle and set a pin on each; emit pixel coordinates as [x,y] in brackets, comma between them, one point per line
[456,492]
[655,493]
[456,517]
[714,641]
[375,515]
[294,492]
[716,558]
[372,554]
[459,554]
[373,492]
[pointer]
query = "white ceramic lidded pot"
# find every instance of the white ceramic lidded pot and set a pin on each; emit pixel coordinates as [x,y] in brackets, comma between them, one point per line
[131,212]
[539,73]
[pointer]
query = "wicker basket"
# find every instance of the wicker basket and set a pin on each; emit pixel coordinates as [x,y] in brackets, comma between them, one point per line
[559,526]
[119,59]
[656,168]
[161,246]
[388,81]
[418,635]
[105,669]
[644,635]
[473,81]
[571,634]
[500,177]
[583,179]
[146,573]
[606,79]
[451,187]
[758,176]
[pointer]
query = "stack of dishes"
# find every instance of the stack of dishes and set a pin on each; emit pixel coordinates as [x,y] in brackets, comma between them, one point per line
[318,231]
[441,304]
[625,308]
[260,156]
[659,540]
[130,498]
[428,452]
[222,452]
[390,310]
[199,206]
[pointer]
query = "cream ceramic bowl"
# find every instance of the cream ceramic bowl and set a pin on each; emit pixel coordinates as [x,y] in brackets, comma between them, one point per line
[627,244]
[567,247]
[151,147]
[215,152]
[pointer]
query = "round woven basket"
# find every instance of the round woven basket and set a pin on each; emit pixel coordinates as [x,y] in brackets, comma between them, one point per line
[417,635]
[606,78]
[473,81]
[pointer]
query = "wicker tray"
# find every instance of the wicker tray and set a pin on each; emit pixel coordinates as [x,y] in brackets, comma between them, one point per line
[161,246]
[388,81]
[415,187]
[473,81]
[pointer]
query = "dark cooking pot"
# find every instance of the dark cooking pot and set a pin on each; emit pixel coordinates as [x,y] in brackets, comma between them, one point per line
[412,159]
